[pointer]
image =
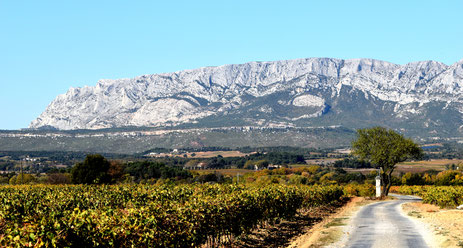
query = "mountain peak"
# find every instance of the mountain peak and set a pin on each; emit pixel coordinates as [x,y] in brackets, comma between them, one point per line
[297,92]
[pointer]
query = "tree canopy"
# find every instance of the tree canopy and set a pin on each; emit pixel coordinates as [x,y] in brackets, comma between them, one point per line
[94,170]
[384,148]
[147,170]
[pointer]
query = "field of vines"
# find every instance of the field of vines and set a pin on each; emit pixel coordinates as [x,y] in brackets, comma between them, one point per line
[147,215]
[443,196]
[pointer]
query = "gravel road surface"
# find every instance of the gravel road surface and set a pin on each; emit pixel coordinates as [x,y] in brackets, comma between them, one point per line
[383,224]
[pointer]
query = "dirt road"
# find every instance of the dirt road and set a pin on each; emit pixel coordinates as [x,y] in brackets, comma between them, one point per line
[383,224]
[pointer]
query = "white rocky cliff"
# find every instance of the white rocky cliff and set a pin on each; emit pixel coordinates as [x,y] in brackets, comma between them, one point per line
[309,86]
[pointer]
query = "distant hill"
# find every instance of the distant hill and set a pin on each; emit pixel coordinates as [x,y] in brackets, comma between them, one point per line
[138,140]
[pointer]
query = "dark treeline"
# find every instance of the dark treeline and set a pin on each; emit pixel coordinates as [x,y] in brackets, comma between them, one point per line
[63,157]
[352,163]
[45,162]
[445,151]
[144,170]
[280,158]
[96,169]
[276,158]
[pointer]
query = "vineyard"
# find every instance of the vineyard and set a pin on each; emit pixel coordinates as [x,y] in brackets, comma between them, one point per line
[147,215]
[443,196]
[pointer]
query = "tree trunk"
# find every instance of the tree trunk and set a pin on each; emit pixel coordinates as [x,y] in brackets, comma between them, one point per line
[386,181]
[390,181]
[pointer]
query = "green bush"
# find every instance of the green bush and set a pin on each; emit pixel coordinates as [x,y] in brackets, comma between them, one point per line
[449,177]
[412,179]
[22,179]
[94,170]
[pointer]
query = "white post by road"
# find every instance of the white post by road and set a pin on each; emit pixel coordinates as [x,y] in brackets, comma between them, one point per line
[378,186]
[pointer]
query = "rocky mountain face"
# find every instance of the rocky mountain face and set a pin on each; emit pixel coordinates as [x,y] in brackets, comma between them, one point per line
[420,98]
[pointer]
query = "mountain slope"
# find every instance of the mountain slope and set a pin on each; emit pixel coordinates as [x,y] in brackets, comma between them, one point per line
[421,97]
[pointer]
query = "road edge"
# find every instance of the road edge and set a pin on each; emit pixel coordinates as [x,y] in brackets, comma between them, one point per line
[331,229]
[423,228]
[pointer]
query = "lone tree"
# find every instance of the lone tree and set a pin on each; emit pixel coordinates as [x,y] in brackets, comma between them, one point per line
[384,148]
[94,170]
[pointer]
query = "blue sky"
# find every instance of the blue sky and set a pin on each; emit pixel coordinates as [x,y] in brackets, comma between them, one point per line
[46,47]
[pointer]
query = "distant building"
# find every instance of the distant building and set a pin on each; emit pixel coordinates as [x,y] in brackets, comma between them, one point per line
[343,151]
[273,166]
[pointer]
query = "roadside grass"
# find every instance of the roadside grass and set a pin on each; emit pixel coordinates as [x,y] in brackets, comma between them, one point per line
[330,236]
[337,222]
[415,214]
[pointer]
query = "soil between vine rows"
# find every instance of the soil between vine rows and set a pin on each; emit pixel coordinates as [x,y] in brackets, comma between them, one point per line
[281,234]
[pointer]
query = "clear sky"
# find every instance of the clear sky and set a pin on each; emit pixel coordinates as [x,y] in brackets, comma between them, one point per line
[46,47]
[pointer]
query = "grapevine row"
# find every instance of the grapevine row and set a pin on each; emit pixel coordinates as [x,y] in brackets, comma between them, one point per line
[443,196]
[146,216]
